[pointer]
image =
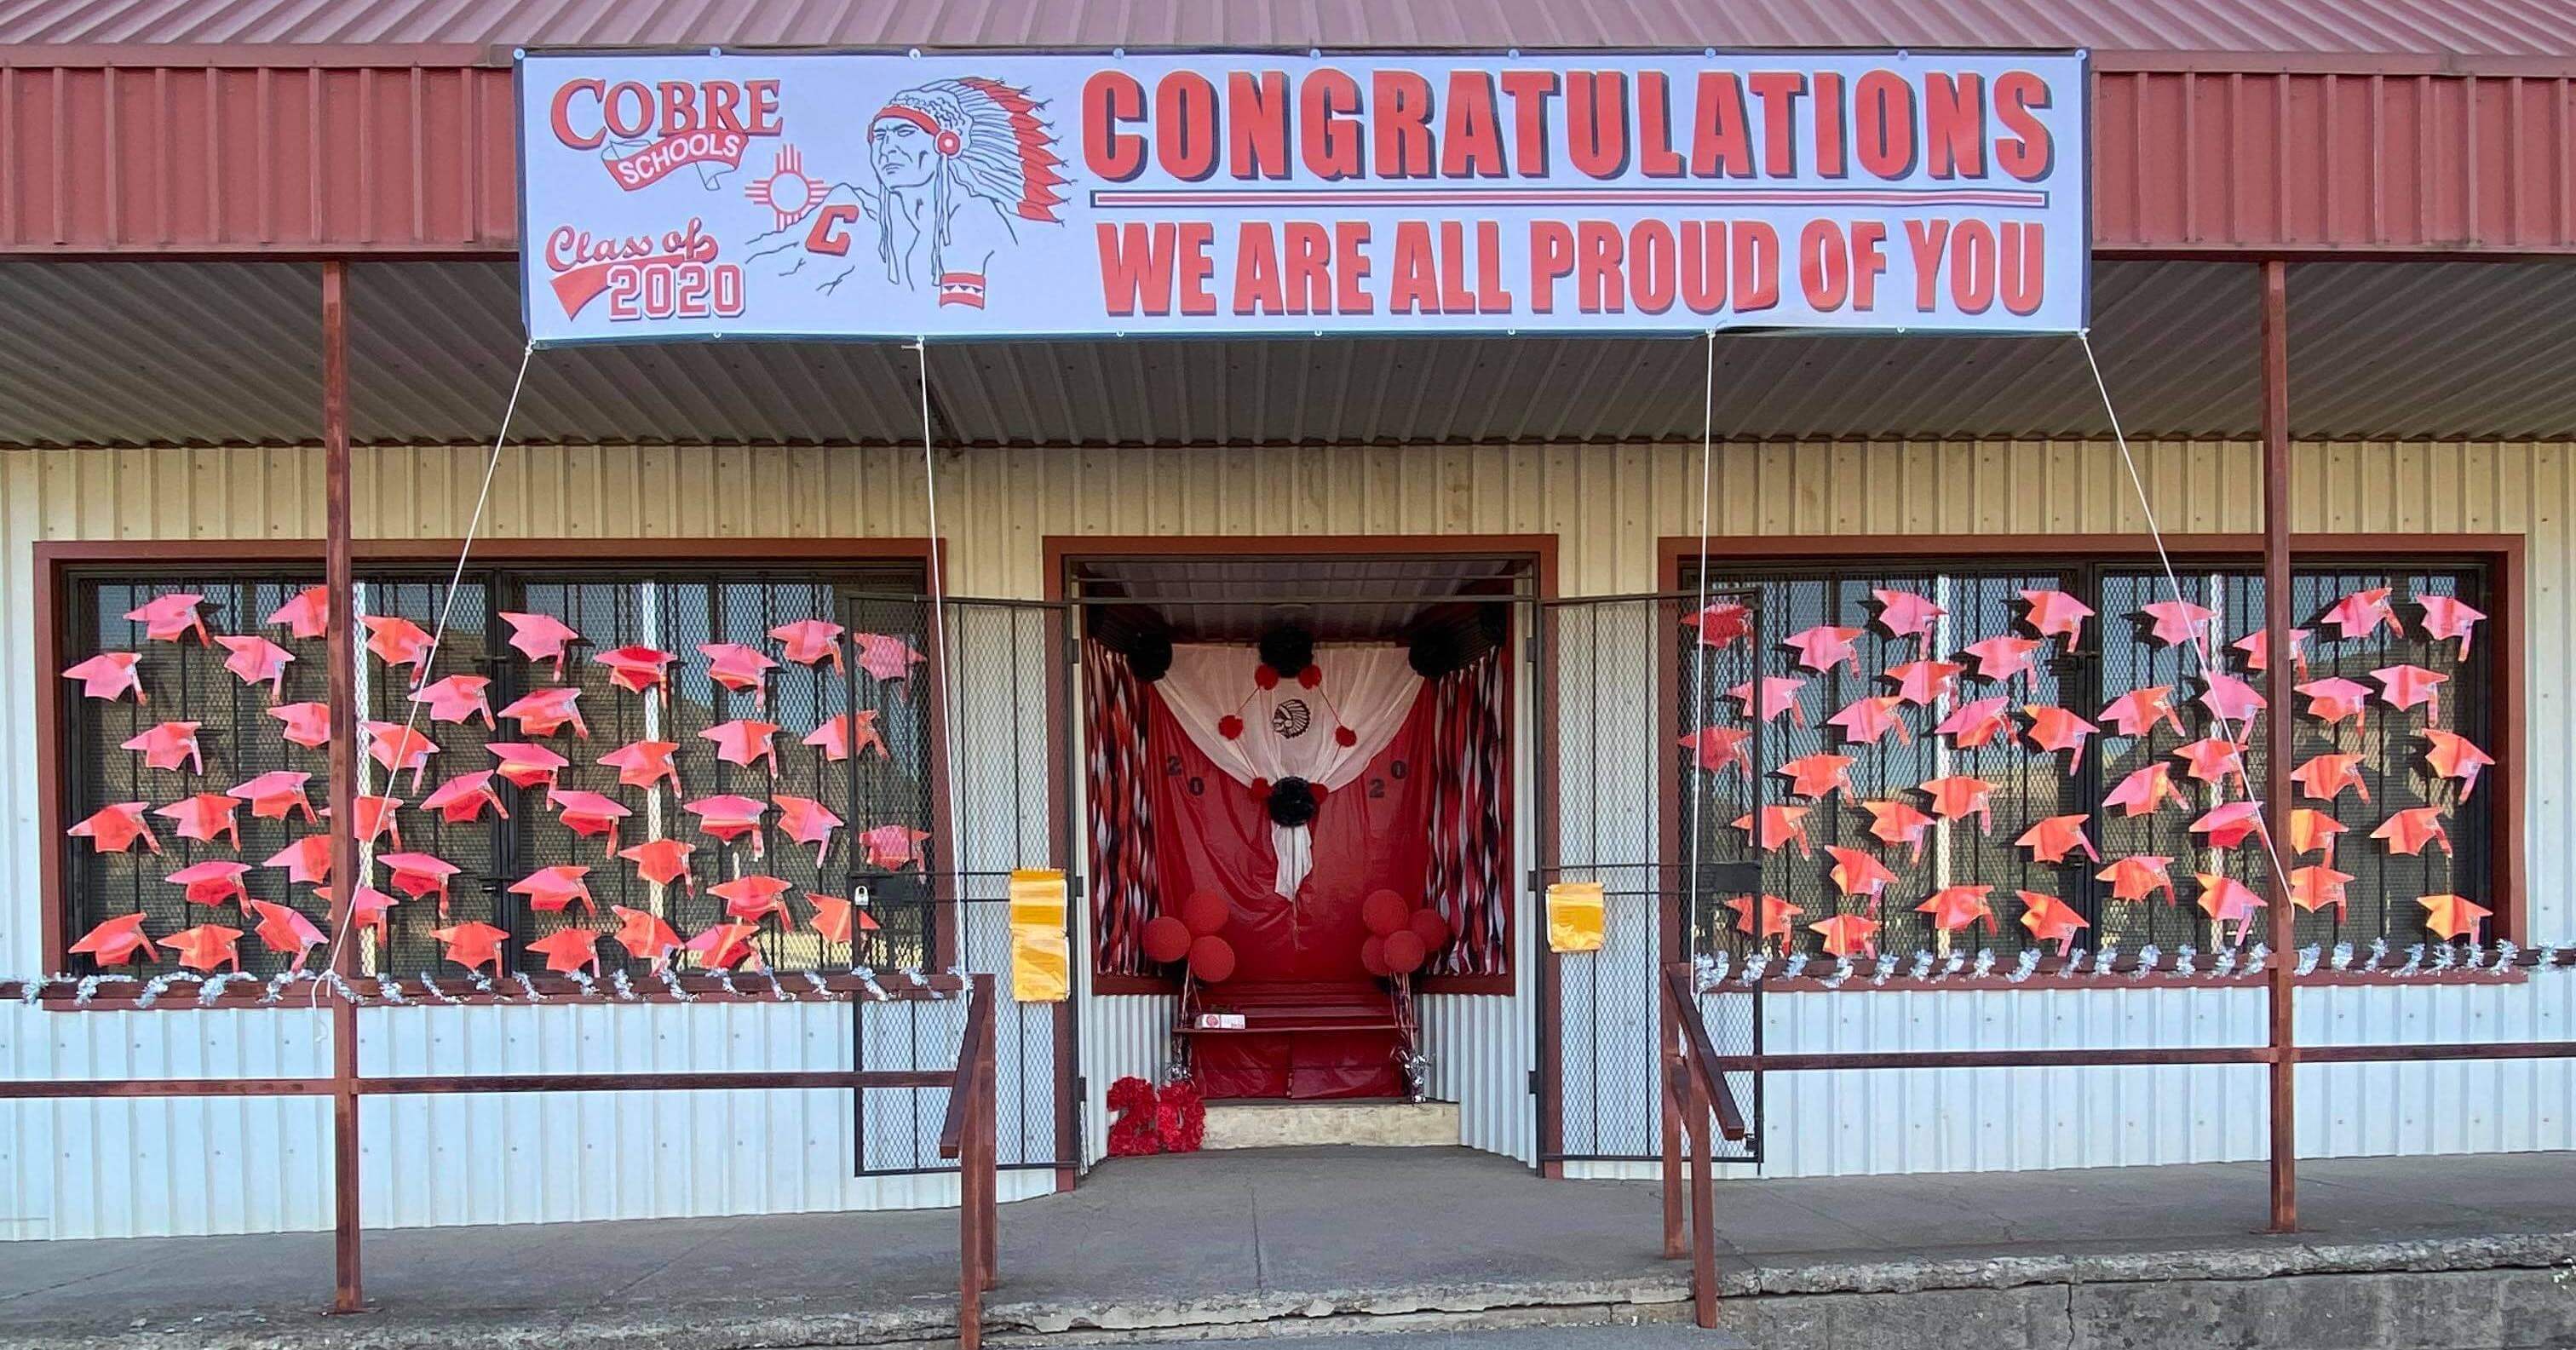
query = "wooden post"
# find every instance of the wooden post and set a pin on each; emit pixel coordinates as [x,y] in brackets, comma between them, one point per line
[1703,1188]
[2277,725]
[1669,1073]
[349,1293]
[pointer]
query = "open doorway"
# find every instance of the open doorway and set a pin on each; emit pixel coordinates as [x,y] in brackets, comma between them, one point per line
[1299,792]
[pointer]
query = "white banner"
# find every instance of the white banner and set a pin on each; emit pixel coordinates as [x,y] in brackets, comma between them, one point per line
[990,194]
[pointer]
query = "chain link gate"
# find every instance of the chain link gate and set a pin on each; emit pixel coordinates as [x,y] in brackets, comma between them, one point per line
[1623,687]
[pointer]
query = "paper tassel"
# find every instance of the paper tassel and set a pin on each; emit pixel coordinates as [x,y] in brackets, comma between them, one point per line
[2104,959]
[2025,965]
[2076,963]
[2259,958]
[391,989]
[2378,953]
[2444,957]
[2223,964]
[2504,954]
[1796,965]
[1922,968]
[2342,959]
[1754,965]
[430,986]
[2414,962]
[2308,957]
[2187,961]
[2147,958]
[1886,968]
[623,987]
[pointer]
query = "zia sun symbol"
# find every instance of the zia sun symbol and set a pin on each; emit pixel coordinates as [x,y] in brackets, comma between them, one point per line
[787,192]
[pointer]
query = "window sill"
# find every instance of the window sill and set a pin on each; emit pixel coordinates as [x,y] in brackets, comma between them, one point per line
[551,989]
[2054,982]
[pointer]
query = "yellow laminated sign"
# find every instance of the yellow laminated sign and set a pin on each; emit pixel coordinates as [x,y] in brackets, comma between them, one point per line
[1041,962]
[1574,916]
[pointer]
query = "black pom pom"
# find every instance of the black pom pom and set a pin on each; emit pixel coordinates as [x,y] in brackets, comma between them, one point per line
[1149,657]
[1435,652]
[1292,802]
[1495,622]
[1288,650]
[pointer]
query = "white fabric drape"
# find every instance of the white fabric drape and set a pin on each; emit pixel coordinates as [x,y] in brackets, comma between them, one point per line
[1288,729]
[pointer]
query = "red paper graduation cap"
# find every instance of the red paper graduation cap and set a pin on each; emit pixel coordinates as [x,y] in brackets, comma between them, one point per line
[110,674]
[745,742]
[457,698]
[2054,728]
[2314,888]
[307,860]
[285,930]
[2228,823]
[838,920]
[645,936]
[663,861]
[2313,830]
[2225,899]
[1920,682]
[2174,622]
[589,813]
[2257,647]
[2408,831]
[637,669]
[2051,838]
[1780,825]
[1856,872]
[2452,916]
[1847,934]
[257,660]
[1974,723]
[886,658]
[419,874]
[2057,614]
[2050,919]
[1763,918]
[641,764]
[890,847]
[748,898]
[2230,699]
[540,637]
[371,908]
[165,745]
[206,947]
[2402,687]
[809,642]
[523,765]
[462,798]
[729,817]
[114,828]
[1818,774]
[568,949]
[473,945]
[807,822]
[2446,617]
[168,618]
[2212,759]
[308,615]
[2144,790]
[1866,719]
[739,668]
[2453,756]
[1897,822]
[1721,623]
[2001,658]
[205,816]
[551,890]
[213,882]
[377,815]
[1957,796]
[547,711]
[836,734]
[1715,748]
[398,641]
[1955,907]
[2361,613]
[2334,699]
[398,747]
[276,794]
[2326,776]
[1905,614]
[2135,711]
[724,946]
[306,724]
[1818,648]
[2139,876]
[1779,695]
[115,942]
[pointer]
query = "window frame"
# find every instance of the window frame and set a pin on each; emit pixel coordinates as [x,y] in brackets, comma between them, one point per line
[2502,555]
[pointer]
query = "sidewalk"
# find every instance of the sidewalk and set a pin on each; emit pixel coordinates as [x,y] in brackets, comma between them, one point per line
[1335,1235]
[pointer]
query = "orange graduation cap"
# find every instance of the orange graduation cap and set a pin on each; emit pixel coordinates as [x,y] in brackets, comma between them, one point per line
[809,642]
[2225,898]
[2453,756]
[2229,699]
[306,724]
[1721,623]
[2314,888]
[275,795]
[2326,776]
[113,828]
[1857,873]
[1846,934]
[2174,622]
[206,947]
[1921,682]
[473,945]
[1905,614]
[2054,728]
[2402,687]
[2051,838]
[110,674]
[644,936]
[307,860]
[462,798]
[745,742]
[1779,695]
[2050,919]
[371,908]
[663,861]
[2334,699]
[2228,823]
[168,618]
[739,668]
[2408,831]
[398,641]
[2452,916]
[524,765]
[398,747]
[165,745]
[2257,647]
[2361,613]
[2001,658]
[1818,648]
[546,711]
[568,949]
[637,669]
[1957,796]
[457,698]
[2446,617]
[1955,907]
[285,929]
[886,658]
[838,920]
[2212,759]
[541,637]
[807,822]
[729,817]
[308,615]
[419,874]
[1868,718]
[641,764]
[890,847]
[551,890]
[837,733]
[2138,876]
[1975,723]
[1780,825]
[377,815]
[115,942]
[2057,614]
[2144,790]
[216,881]
[255,660]
[2135,711]
[589,813]
[748,898]
[1713,747]
[1763,917]
[205,816]
[1818,774]
[1896,822]
[725,945]
[2311,830]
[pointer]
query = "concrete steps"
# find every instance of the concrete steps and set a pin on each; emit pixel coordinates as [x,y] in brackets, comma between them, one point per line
[1267,1124]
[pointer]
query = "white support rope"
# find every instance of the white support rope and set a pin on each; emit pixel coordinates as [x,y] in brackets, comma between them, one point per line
[950,677]
[1699,673]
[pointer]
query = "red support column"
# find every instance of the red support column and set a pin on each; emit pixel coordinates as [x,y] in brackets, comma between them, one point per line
[2276,745]
[349,1294]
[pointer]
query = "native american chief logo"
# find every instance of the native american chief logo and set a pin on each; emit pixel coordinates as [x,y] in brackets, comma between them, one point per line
[959,166]
[1291,718]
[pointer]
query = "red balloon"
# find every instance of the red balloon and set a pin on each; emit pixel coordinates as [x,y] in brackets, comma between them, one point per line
[1373,958]
[1385,912]
[1212,960]
[1404,952]
[1167,939]
[1205,912]
[1431,928]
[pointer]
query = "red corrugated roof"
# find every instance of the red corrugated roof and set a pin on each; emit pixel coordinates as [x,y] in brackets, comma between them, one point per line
[2474,30]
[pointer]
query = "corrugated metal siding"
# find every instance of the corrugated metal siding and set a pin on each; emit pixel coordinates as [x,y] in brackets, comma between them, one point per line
[1123,1036]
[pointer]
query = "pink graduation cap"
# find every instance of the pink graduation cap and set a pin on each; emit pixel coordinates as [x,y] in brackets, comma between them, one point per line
[724,946]
[2447,617]
[307,860]
[540,637]
[2050,919]
[1973,724]
[256,659]
[308,615]
[835,735]
[645,936]
[2057,614]
[568,949]
[109,674]
[2054,728]
[473,945]
[165,745]
[398,747]
[2332,700]
[745,742]
[307,724]
[2229,823]
[1779,695]
[206,947]
[641,764]
[663,861]
[2324,777]
[2451,756]
[2408,831]
[370,908]
[893,846]
[1714,748]
[114,828]
[2361,613]
[2230,699]
[589,813]
[750,898]
[1817,775]
[524,766]
[398,641]
[837,919]
[115,942]
[2136,878]
[730,817]
[2314,888]
[1856,872]
[2144,790]
[551,890]
[1956,907]
[213,882]
[1818,648]
[462,798]
[739,668]
[2212,759]
[1896,822]
[2001,658]
[1780,824]
[886,658]
[456,698]
[419,874]
[2174,622]
[167,618]
[807,822]
[273,795]
[285,930]
[2133,712]
[2051,838]
[1721,623]
[1957,796]
[204,816]
[2224,898]
[546,711]
[1905,614]
[377,815]
[809,642]
[2403,687]
[1920,682]
[637,669]
[2257,647]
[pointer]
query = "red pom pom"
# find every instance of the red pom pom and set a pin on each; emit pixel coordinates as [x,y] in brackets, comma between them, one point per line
[1205,912]
[1181,1117]
[1265,677]
[1385,912]
[1345,737]
[1311,676]
[1229,726]
[1427,925]
[1404,952]
[1212,960]
[1316,791]
[1373,958]
[1132,1108]
[1167,940]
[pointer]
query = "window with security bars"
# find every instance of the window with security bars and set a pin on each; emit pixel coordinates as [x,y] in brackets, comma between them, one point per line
[2350,886]
[854,736]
